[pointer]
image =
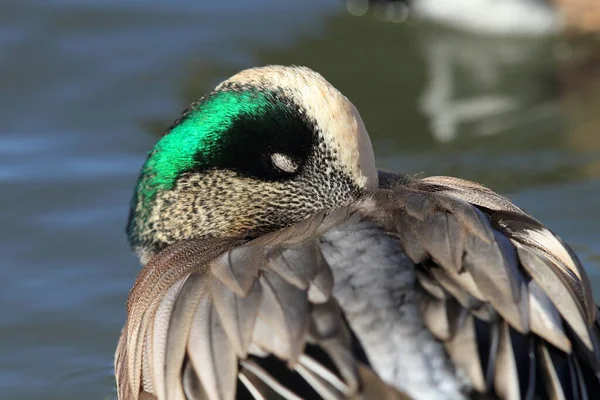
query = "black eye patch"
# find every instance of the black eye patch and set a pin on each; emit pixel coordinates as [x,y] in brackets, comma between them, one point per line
[270,145]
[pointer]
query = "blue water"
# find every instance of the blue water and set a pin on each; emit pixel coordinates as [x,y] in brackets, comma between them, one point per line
[87,86]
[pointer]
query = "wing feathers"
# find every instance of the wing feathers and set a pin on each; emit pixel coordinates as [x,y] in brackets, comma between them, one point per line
[508,298]
[221,317]
[532,234]
[537,266]
[495,271]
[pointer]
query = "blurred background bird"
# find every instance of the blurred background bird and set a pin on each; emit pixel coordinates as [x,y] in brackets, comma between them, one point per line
[498,17]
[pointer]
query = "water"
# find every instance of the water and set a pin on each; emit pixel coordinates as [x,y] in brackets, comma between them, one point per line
[87,86]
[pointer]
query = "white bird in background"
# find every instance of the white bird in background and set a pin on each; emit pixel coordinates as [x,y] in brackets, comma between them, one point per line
[493,17]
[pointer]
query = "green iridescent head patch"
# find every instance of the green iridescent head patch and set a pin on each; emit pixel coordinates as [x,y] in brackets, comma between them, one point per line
[197,138]
[233,129]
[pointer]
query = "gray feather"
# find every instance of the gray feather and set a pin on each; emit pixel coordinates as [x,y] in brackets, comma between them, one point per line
[192,388]
[562,298]
[551,381]
[297,265]
[545,319]
[160,328]
[463,349]
[452,287]
[253,369]
[284,309]
[445,240]
[181,320]
[318,369]
[431,285]
[237,314]
[496,274]
[321,386]
[506,377]
[435,316]
[239,268]
[253,385]
[321,287]
[211,353]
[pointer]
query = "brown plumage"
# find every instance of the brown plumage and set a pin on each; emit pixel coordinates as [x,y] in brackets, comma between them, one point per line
[505,300]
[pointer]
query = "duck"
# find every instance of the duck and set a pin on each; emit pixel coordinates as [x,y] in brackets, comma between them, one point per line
[279,262]
[520,18]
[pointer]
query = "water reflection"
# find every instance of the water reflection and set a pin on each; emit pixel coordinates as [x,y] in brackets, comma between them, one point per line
[580,102]
[485,85]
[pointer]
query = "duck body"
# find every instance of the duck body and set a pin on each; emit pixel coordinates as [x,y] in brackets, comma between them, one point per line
[291,267]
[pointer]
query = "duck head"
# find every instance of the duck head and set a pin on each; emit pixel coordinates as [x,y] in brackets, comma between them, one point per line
[263,150]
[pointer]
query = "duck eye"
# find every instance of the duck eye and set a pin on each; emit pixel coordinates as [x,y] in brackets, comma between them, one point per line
[284,162]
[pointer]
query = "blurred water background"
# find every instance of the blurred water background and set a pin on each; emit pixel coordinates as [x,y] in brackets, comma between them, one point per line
[86,87]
